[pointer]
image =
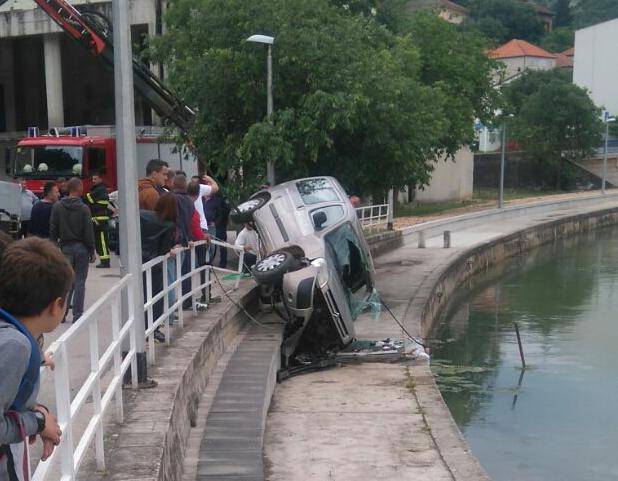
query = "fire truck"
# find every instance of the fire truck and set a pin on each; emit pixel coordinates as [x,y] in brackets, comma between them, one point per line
[79,151]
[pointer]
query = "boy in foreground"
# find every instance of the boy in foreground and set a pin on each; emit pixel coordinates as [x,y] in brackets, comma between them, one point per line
[35,279]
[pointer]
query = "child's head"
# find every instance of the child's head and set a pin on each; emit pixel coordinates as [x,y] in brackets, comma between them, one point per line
[35,279]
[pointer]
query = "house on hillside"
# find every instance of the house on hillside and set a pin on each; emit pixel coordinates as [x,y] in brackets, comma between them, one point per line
[565,60]
[519,56]
[450,11]
[545,15]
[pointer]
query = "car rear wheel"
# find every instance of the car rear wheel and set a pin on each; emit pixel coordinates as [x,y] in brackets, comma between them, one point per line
[244,212]
[271,269]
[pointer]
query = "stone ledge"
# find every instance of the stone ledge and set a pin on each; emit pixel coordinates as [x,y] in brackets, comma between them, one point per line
[441,284]
[150,445]
[385,242]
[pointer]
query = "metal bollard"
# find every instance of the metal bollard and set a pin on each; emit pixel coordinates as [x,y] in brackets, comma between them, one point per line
[447,239]
[421,239]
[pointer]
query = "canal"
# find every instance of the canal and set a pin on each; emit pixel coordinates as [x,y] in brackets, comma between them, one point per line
[558,419]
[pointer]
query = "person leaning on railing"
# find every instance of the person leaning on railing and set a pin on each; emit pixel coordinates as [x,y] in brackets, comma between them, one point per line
[35,279]
[158,230]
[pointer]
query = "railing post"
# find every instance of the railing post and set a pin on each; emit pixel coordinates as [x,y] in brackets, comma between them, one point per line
[151,343]
[241,264]
[166,301]
[131,286]
[179,301]
[63,409]
[192,278]
[117,355]
[96,392]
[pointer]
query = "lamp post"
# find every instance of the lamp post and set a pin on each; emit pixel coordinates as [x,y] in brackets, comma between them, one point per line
[607,119]
[266,40]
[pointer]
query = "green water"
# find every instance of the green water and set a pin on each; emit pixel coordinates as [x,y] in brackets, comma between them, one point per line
[559,420]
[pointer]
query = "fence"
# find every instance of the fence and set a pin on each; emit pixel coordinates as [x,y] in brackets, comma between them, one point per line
[373,216]
[196,278]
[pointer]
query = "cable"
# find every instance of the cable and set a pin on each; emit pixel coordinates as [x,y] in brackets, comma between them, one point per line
[402,326]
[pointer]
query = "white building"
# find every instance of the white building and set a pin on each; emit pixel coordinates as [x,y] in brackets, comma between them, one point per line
[596,63]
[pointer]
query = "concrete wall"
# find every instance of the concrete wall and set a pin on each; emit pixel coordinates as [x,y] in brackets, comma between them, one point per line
[519,64]
[450,180]
[596,63]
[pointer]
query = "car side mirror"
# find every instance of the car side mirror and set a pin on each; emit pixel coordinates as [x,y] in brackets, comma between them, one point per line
[319,219]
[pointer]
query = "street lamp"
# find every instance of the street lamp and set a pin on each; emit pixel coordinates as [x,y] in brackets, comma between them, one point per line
[502,159]
[266,40]
[607,119]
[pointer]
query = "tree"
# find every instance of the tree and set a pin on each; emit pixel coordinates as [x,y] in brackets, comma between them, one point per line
[559,40]
[504,20]
[591,12]
[349,96]
[562,14]
[556,121]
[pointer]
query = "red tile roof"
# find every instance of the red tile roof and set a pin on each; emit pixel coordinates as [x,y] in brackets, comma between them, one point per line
[448,5]
[564,61]
[570,52]
[519,48]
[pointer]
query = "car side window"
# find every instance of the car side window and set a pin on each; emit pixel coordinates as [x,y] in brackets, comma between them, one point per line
[326,216]
[348,256]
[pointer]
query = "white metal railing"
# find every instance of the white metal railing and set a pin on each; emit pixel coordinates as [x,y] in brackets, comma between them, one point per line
[160,266]
[70,454]
[373,216]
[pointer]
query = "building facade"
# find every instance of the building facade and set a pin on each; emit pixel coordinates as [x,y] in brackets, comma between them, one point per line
[596,63]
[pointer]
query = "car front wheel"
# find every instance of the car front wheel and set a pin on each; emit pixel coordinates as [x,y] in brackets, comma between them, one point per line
[271,269]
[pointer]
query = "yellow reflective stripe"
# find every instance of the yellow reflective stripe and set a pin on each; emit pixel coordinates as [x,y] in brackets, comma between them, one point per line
[102,202]
[104,252]
[101,217]
[89,197]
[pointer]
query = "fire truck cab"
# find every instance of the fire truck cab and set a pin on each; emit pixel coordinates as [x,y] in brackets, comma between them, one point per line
[82,151]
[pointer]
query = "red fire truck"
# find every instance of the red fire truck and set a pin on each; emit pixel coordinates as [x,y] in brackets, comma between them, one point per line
[81,151]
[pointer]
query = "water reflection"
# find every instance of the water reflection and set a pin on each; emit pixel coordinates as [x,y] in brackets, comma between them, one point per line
[557,420]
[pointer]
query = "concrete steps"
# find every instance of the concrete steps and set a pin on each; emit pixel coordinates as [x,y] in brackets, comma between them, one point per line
[595,167]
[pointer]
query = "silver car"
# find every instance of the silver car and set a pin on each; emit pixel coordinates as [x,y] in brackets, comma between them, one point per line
[317,269]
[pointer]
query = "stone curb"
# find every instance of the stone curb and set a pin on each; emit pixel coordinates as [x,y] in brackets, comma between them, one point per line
[441,285]
[150,445]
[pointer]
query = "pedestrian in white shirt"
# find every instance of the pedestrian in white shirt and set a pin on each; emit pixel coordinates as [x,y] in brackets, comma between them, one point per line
[248,239]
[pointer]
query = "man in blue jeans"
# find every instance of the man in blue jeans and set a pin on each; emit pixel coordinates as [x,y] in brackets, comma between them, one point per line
[71,227]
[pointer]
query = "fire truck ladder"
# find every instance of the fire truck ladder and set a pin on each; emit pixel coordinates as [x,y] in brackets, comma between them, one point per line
[93,32]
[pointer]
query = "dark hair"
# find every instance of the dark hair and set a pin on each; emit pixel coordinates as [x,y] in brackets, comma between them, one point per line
[34,273]
[171,174]
[5,240]
[74,185]
[195,177]
[193,189]
[180,182]
[95,172]
[167,207]
[181,172]
[48,187]
[155,165]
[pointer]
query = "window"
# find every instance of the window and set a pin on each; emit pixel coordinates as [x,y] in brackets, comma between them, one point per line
[326,216]
[349,260]
[314,191]
[48,161]
[96,161]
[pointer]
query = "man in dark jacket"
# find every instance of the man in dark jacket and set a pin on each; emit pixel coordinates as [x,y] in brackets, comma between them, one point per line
[97,201]
[41,211]
[71,228]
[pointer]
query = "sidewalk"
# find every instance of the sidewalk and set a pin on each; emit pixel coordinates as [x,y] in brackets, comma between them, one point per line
[365,421]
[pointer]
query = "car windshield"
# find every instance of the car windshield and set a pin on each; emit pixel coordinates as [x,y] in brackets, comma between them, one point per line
[314,191]
[351,264]
[326,216]
[48,161]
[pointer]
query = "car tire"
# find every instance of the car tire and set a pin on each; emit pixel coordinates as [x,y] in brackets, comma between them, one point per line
[244,212]
[271,269]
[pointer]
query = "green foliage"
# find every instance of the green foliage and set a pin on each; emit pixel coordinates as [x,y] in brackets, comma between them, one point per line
[504,20]
[559,40]
[562,14]
[591,12]
[352,97]
[554,120]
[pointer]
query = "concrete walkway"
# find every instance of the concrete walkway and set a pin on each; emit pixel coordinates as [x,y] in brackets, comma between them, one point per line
[365,421]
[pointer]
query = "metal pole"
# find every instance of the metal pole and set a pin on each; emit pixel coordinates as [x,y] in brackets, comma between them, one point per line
[126,156]
[391,206]
[270,166]
[521,349]
[502,161]
[605,158]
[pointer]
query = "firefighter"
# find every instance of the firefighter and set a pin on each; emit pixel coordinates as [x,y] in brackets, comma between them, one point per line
[98,201]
